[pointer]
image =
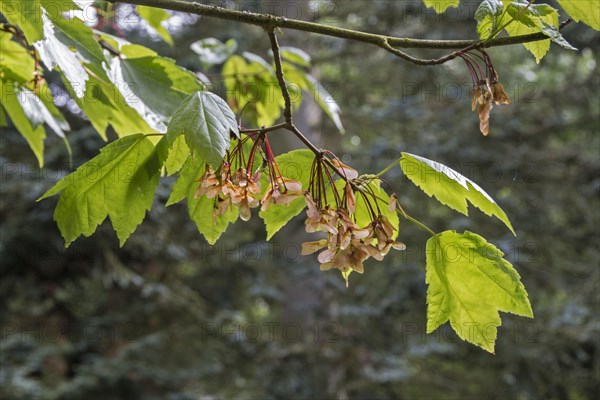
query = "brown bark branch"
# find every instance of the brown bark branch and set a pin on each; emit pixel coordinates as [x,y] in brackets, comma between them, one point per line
[389,43]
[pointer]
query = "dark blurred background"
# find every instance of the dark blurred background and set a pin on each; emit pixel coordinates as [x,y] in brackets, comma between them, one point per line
[170,317]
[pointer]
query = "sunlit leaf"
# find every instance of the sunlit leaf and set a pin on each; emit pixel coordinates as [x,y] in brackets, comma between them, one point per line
[33,133]
[252,87]
[296,166]
[201,210]
[16,62]
[155,17]
[449,187]
[27,15]
[533,19]
[468,284]
[104,106]
[75,34]
[178,154]
[487,16]
[54,53]
[539,48]
[441,5]
[118,183]
[38,113]
[587,12]
[326,101]
[296,56]
[140,74]
[212,51]
[298,78]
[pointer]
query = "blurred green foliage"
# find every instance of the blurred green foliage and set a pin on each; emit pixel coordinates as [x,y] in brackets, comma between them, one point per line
[170,317]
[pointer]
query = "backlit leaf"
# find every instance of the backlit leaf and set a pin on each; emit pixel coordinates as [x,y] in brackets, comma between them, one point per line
[16,63]
[155,17]
[201,210]
[33,133]
[587,12]
[54,53]
[468,284]
[104,106]
[441,5]
[27,15]
[296,166]
[296,56]
[178,154]
[212,51]
[532,19]
[449,187]
[119,183]
[252,87]
[75,34]
[487,16]
[140,74]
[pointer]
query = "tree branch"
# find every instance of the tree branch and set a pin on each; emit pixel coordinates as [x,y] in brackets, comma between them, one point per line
[270,22]
[287,112]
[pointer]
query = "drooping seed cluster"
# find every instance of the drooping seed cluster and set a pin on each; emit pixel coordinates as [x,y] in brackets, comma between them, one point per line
[347,245]
[487,89]
[331,203]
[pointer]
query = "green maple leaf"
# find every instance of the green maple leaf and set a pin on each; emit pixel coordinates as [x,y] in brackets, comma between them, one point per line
[294,165]
[469,283]
[587,12]
[449,187]
[119,183]
[206,121]
[155,17]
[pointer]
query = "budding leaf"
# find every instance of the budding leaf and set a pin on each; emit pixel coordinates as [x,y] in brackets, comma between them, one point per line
[449,187]
[441,5]
[295,165]
[206,122]
[468,284]
[124,173]
[587,12]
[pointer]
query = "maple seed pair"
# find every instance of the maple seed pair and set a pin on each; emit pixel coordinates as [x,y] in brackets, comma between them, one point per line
[487,89]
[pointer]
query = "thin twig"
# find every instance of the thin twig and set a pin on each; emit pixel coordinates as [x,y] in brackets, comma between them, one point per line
[265,129]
